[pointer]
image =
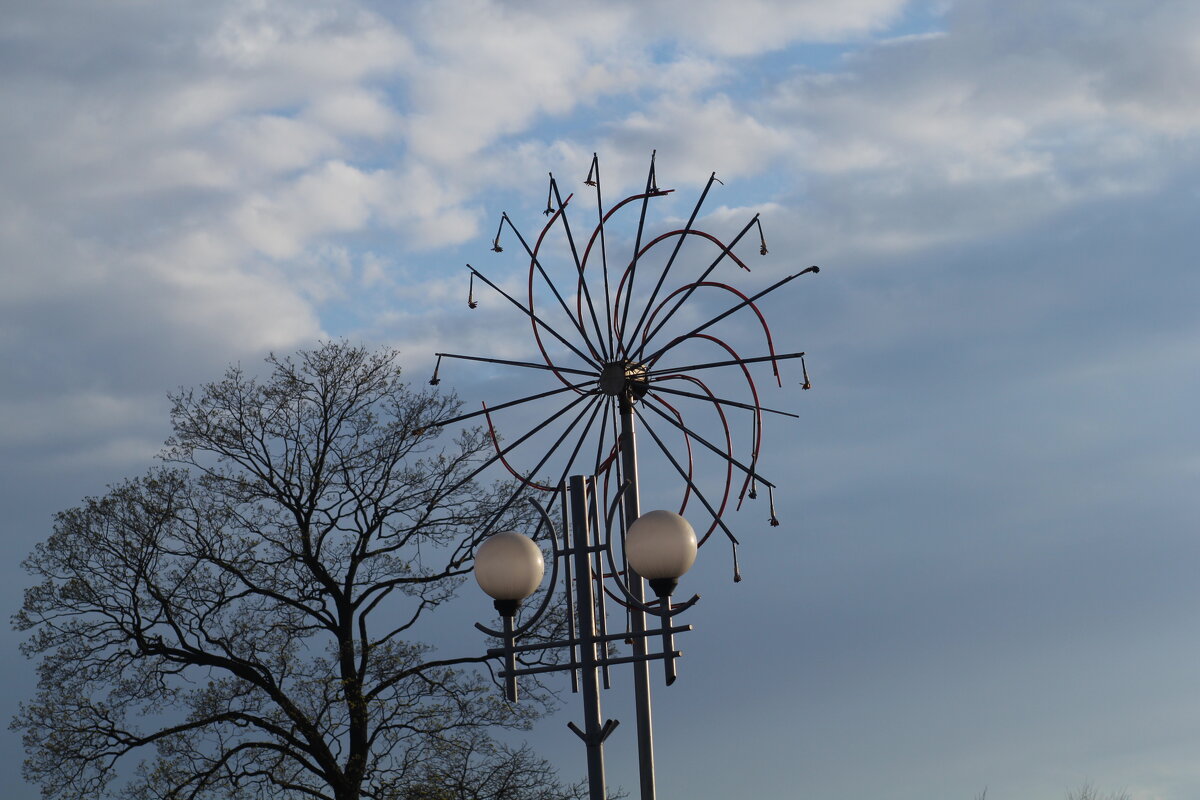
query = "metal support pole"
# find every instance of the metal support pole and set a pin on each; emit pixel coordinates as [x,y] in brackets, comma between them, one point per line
[637,588]
[594,732]
[510,659]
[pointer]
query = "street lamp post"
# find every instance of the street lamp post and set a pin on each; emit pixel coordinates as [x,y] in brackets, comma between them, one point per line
[625,345]
[660,544]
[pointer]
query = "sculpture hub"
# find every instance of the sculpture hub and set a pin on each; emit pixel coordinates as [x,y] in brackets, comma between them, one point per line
[621,377]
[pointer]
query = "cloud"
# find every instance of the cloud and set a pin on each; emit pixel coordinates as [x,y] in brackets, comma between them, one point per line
[487,70]
[758,26]
[331,198]
[989,125]
[237,167]
[168,188]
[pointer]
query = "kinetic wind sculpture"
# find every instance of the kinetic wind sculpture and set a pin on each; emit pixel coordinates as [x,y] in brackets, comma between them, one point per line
[622,344]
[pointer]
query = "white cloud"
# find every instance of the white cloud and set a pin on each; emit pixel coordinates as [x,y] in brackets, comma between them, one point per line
[489,69]
[230,153]
[331,198]
[697,137]
[993,123]
[757,26]
[355,111]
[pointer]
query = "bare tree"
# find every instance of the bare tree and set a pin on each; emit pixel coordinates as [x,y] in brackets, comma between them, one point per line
[1089,792]
[237,620]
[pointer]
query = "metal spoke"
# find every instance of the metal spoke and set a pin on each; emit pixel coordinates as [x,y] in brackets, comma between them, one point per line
[536,319]
[527,364]
[508,449]
[655,372]
[637,247]
[536,263]
[549,454]
[608,306]
[670,261]
[575,453]
[726,250]
[528,480]
[658,387]
[712,447]
[509,404]
[748,301]
[587,295]
[699,494]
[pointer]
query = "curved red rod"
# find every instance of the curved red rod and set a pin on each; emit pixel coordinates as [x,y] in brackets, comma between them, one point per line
[500,455]
[656,240]
[757,412]
[605,465]
[532,268]
[761,319]
[691,472]
[592,240]
[757,419]
[728,449]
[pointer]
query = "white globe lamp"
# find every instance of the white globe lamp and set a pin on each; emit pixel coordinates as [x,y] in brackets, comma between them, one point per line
[661,546]
[509,567]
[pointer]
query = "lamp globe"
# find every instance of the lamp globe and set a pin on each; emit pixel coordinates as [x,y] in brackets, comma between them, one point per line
[661,546]
[509,567]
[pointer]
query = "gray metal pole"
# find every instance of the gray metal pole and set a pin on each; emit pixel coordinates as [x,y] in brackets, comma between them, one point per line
[641,669]
[594,731]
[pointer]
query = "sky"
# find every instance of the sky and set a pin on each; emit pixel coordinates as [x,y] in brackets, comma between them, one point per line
[985,575]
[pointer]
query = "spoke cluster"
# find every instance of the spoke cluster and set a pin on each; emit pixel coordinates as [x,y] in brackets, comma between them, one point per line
[605,333]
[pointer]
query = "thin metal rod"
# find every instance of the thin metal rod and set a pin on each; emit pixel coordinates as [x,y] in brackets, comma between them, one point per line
[535,318]
[507,363]
[608,306]
[585,607]
[535,263]
[593,405]
[501,452]
[726,313]
[587,295]
[578,446]
[658,387]
[726,250]
[599,662]
[710,446]
[510,404]
[668,648]
[729,363]
[600,446]
[598,572]
[725,287]
[699,494]
[521,486]
[679,244]
[691,457]
[637,618]
[637,248]
[576,320]
[572,631]
[510,661]
[756,419]
[573,641]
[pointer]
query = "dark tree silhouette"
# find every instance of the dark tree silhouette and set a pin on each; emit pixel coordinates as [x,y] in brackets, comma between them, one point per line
[236,621]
